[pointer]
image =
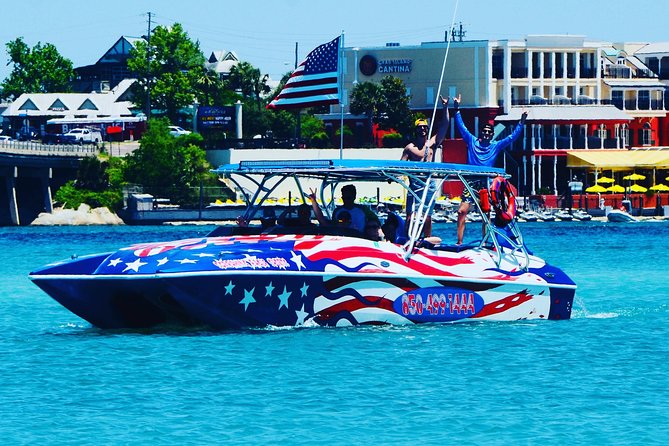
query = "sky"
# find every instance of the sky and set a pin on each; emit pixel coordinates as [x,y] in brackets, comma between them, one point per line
[265,33]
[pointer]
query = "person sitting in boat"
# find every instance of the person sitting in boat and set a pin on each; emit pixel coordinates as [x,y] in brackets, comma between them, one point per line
[481,151]
[393,228]
[356,212]
[303,218]
[416,151]
[373,230]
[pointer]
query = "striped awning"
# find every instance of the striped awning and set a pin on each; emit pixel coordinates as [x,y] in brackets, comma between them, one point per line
[618,159]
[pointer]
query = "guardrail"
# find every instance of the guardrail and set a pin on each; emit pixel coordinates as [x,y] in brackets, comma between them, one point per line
[40,149]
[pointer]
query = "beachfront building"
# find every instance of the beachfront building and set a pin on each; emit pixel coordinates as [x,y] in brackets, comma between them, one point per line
[50,113]
[581,95]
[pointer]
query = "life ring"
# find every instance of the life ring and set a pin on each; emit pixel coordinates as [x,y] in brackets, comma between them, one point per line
[503,199]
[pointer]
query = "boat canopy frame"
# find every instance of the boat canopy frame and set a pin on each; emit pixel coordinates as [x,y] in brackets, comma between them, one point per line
[267,175]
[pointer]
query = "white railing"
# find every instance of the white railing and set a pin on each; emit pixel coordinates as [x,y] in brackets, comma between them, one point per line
[41,149]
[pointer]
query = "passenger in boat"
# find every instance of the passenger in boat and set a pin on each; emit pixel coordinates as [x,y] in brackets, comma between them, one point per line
[373,231]
[356,212]
[393,228]
[416,151]
[481,151]
[268,219]
[303,217]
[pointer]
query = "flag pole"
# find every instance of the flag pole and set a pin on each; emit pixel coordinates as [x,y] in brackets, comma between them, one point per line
[340,72]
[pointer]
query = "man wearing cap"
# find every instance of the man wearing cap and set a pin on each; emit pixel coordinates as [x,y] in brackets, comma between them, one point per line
[481,151]
[416,151]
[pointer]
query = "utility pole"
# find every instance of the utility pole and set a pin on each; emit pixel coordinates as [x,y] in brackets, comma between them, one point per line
[148,68]
[457,34]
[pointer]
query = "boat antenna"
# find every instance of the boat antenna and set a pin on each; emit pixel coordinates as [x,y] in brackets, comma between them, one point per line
[418,221]
[441,81]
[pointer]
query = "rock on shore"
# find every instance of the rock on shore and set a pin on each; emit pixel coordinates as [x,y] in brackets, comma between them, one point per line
[84,215]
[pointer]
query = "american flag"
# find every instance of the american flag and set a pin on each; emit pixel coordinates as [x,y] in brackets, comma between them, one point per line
[314,82]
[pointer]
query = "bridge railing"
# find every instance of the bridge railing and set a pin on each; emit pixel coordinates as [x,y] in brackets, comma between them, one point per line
[40,149]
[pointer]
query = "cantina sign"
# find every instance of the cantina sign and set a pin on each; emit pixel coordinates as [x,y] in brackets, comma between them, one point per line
[369,65]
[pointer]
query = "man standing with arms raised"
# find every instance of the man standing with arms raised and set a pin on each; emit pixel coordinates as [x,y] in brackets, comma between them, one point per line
[481,151]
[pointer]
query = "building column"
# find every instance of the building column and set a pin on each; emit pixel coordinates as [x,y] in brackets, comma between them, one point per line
[534,182]
[539,171]
[571,136]
[530,73]
[585,133]
[555,158]
[10,181]
[553,74]
[46,191]
[524,174]
[555,127]
[598,87]
[541,72]
[601,136]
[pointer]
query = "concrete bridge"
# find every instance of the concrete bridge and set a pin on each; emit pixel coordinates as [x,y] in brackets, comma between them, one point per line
[29,171]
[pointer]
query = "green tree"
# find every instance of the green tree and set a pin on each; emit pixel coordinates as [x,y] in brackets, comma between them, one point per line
[173,74]
[396,112]
[248,79]
[367,99]
[40,69]
[311,126]
[385,104]
[166,166]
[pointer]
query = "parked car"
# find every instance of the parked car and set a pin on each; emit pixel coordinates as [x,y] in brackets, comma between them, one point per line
[5,138]
[27,134]
[175,130]
[82,136]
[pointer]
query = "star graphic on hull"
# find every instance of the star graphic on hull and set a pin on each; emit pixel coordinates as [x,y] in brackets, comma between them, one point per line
[114,262]
[269,289]
[134,265]
[229,287]
[297,260]
[248,298]
[301,316]
[162,261]
[283,298]
[304,289]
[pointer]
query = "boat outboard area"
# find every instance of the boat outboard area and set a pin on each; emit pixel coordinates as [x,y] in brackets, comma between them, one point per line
[298,273]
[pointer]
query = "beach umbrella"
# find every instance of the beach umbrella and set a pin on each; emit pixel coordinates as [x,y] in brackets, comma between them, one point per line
[616,189]
[636,188]
[634,177]
[660,188]
[596,189]
[605,180]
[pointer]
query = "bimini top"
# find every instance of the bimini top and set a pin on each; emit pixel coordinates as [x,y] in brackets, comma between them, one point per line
[356,169]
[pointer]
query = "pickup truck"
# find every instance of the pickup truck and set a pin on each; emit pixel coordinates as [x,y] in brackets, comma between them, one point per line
[82,136]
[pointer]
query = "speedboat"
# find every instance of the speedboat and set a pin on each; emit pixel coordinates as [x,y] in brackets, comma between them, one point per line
[581,215]
[564,215]
[620,216]
[529,216]
[316,275]
[546,216]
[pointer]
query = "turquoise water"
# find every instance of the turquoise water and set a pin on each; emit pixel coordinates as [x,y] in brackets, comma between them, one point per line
[600,378]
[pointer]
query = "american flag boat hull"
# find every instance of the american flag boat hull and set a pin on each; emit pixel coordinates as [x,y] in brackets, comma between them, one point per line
[321,279]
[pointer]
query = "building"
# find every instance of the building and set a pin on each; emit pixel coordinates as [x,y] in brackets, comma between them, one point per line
[108,71]
[59,112]
[580,94]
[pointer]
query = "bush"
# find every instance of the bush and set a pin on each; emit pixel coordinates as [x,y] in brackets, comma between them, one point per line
[392,140]
[72,198]
[320,140]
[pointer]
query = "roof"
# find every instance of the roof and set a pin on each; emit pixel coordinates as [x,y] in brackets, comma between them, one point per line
[618,159]
[60,105]
[654,48]
[355,169]
[597,113]
[635,83]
